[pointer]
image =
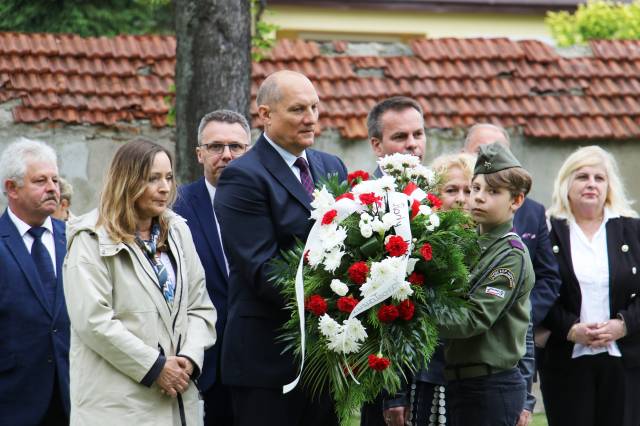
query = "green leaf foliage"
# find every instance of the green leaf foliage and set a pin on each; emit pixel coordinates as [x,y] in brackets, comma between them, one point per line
[595,20]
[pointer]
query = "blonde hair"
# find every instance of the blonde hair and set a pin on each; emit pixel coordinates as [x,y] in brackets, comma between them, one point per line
[66,189]
[125,182]
[589,156]
[442,164]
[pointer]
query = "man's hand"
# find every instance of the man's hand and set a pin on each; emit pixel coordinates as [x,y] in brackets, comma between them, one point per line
[607,332]
[579,333]
[173,378]
[396,416]
[525,418]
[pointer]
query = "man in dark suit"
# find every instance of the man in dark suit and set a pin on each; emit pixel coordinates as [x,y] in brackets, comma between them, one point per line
[530,223]
[34,350]
[222,136]
[263,205]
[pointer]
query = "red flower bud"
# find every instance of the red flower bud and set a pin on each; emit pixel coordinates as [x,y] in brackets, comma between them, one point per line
[357,177]
[358,272]
[406,309]
[316,304]
[416,278]
[396,245]
[388,313]
[329,216]
[426,251]
[345,195]
[369,199]
[378,363]
[436,202]
[346,304]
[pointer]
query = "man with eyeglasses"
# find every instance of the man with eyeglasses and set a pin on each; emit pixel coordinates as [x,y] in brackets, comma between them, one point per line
[223,135]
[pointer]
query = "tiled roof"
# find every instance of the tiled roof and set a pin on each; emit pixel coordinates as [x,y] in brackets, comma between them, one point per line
[457,81]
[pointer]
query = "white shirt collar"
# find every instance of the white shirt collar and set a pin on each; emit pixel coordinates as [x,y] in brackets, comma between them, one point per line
[24,227]
[288,157]
[211,189]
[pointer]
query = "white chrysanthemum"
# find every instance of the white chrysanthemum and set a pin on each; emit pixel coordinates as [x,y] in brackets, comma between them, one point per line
[434,219]
[370,286]
[403,291]
[378,226]
[423,172]
[389,220]
[398,162]
[387,183]
[354,329]
[339,287]
[425,210]
[332,237]
[344,344]
[328,326]
[388,269]
[411,264]
[332,259]
[315,257]
[322,202]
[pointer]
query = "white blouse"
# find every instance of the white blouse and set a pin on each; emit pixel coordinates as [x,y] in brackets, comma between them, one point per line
[591,266]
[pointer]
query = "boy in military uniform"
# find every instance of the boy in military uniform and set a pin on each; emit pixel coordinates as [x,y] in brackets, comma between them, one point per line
[485,342]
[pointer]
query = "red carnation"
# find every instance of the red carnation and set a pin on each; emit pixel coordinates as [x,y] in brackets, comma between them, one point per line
[416,278]
[426,251]
[406,309]
[329,216]
[388,313]
[316,304]
[369,198]
[357,177]
[396,245]
[436,202]
[415,208]
[378,363]
[358,272]
[345,195]
[346,304]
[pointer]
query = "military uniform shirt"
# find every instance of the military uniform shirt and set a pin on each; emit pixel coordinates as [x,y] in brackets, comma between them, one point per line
[491,330]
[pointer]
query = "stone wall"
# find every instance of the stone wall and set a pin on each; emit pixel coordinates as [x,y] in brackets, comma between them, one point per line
[85,152]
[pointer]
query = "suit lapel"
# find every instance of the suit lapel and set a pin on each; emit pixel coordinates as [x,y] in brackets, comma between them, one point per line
[201,203]
[60,241]
[614,239]
[318,170]
[274,163]
[15,244]
[561,228]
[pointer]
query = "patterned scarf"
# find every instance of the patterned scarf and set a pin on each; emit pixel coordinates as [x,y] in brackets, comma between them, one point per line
[150,247]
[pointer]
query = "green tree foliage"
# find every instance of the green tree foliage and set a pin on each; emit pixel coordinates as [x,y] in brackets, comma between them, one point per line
[596,20]
[87,17]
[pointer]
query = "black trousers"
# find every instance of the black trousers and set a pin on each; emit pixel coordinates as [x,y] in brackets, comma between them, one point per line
[267,406]
[217,406]
[590,391]
[493,400]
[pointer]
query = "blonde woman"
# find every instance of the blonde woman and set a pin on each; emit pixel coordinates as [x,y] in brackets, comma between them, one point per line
[140,314]
[590,368]
[455,171]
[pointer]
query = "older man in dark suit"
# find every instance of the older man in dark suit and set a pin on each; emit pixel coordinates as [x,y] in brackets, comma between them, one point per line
[223,135]
[34,350]
[263,205]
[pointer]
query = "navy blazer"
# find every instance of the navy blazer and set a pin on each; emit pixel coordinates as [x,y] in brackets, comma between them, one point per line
[34,349]
[623,249]
[263,209]
[194,204]
[531,224]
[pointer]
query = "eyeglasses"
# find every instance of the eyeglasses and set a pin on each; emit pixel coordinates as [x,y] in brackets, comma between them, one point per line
[217,148]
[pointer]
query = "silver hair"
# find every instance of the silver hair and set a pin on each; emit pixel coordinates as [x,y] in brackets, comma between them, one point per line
[223,116]
[479,126]
[14,159]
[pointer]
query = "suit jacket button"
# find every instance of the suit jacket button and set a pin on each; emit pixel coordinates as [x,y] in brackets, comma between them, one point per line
[625,248]
[49,360]
[55,330]
[556,249]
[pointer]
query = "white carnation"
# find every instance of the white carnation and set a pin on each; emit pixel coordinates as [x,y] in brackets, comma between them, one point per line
[366,231]
[339,287]
[389,220]
[378,226]
[315,257]
[425,210]
[434,219]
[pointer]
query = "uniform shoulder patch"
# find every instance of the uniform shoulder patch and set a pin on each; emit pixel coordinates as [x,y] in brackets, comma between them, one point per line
[517,244]
[503,272]
[495,292]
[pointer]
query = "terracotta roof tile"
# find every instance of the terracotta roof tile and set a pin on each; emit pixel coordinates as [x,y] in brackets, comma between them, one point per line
[457,81]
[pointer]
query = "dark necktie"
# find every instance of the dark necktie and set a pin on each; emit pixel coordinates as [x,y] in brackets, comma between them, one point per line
[44,264]
[305,175]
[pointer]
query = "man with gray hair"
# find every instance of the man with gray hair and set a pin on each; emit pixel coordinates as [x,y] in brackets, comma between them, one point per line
[34,384]
[223,136]
[530,223]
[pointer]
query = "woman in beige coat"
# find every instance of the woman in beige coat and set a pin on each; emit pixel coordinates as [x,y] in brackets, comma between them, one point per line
[140,314]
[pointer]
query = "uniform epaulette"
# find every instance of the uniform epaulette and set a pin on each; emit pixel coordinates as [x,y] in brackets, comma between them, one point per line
[517,244]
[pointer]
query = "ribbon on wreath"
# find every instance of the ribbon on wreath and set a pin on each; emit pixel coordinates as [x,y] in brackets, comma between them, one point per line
[398,205]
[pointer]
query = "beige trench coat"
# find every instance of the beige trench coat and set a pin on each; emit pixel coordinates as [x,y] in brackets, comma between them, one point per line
[120,320]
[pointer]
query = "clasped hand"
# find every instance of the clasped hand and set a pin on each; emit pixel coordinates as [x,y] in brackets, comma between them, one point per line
[597,335]
[174,377]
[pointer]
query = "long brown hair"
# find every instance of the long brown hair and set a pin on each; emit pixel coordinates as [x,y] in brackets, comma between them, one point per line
[124,183]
